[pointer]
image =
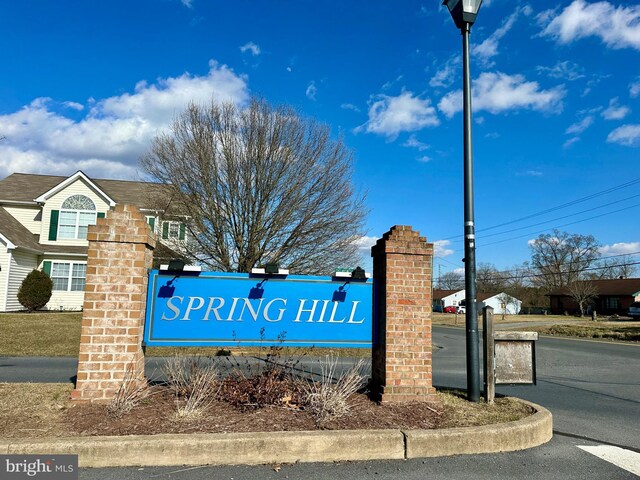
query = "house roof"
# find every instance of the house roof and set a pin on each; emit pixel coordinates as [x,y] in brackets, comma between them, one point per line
[25,187]
[439,294]
[616,286]
[21,237]
[17,233]
[65,183]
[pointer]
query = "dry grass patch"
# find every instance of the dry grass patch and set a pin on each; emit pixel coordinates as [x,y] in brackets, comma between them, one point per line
[33,409]
[450,319]
[50,334]
[629,331]
[458,412]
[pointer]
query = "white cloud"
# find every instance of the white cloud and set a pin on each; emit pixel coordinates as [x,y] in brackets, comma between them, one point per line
[579,127]
[365,242]
[114,131]
[615,111]
[440,248]
[634,89]
[187,3]
[445,76]
[413,142]
[405,113]
[424,159]
[622,248]
[489,47]
[617,26]
[250,47]
[73,105]
[530,173]
[390,83]
[311,91]
[349,106]
[628,135]
[570,142]
[563,70]
[498,92]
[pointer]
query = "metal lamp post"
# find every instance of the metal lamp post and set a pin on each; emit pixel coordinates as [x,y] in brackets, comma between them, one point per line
[464,13]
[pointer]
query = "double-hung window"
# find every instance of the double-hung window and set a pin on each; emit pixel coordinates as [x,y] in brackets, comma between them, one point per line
[68,277]
[173,230]
[76,214]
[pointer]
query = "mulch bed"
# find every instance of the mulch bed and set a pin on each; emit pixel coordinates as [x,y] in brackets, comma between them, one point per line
[156,414]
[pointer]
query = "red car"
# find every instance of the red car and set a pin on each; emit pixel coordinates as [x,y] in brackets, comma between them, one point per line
[450,309]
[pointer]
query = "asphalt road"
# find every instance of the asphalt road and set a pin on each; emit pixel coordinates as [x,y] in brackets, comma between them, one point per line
[592,389]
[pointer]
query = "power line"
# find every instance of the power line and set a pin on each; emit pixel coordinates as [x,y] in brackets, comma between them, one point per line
[559,226]
[574,272]
[564,205]
[504,275]
[562,218]
[559,207]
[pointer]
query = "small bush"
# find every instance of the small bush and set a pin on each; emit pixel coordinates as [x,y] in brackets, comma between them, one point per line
[328,398]
[195,382]
[35,290]
[131,392]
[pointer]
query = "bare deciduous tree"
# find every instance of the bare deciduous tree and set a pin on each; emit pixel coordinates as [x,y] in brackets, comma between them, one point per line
[488,278]
[259,184]
[451,281]
[508,301]
[583,292]
[559,258]
[618,267]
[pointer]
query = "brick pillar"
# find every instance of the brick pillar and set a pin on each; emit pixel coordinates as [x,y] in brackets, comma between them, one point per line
[402,272]
[120,254]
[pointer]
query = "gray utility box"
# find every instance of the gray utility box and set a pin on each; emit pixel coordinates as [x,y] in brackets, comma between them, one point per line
[515,357]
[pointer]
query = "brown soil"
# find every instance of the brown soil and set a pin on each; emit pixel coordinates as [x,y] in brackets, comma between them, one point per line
[157,414]
[43,410]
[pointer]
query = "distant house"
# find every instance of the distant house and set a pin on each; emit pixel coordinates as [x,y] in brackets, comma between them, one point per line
[500,302]
[613,297]
[43,225]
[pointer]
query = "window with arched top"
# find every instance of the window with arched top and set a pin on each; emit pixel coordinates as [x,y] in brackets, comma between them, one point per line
[76,214]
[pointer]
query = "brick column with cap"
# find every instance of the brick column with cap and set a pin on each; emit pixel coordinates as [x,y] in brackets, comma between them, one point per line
[402,272]
[120,254]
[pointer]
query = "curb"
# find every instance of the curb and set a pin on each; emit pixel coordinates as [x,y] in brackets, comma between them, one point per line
[291,447]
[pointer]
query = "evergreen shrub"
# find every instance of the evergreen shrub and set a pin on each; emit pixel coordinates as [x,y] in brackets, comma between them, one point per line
[35,290]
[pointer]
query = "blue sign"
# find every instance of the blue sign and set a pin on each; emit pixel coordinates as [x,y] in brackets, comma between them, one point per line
[229,309]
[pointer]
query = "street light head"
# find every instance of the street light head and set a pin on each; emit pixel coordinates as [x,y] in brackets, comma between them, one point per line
[463,11]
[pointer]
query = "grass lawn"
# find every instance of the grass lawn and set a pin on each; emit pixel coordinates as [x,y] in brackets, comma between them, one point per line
[50,334]
[629,331]
[558,325]
[56,334]
[453,319]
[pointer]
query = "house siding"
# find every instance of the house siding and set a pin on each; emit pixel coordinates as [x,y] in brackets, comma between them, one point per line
[4,273]
[79,187]
[30,217]
[512,308]
[60,299]
[22,263]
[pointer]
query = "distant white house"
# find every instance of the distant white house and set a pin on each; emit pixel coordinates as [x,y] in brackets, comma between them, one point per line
[500,302]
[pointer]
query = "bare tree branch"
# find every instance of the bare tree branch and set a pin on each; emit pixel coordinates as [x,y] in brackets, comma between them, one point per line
[559,258]
[583,292]
[260,185]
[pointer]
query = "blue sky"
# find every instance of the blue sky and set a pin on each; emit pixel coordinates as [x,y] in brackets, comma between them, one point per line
[86,85]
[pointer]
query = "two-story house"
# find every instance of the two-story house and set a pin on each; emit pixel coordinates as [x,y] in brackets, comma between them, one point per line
[43,225]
